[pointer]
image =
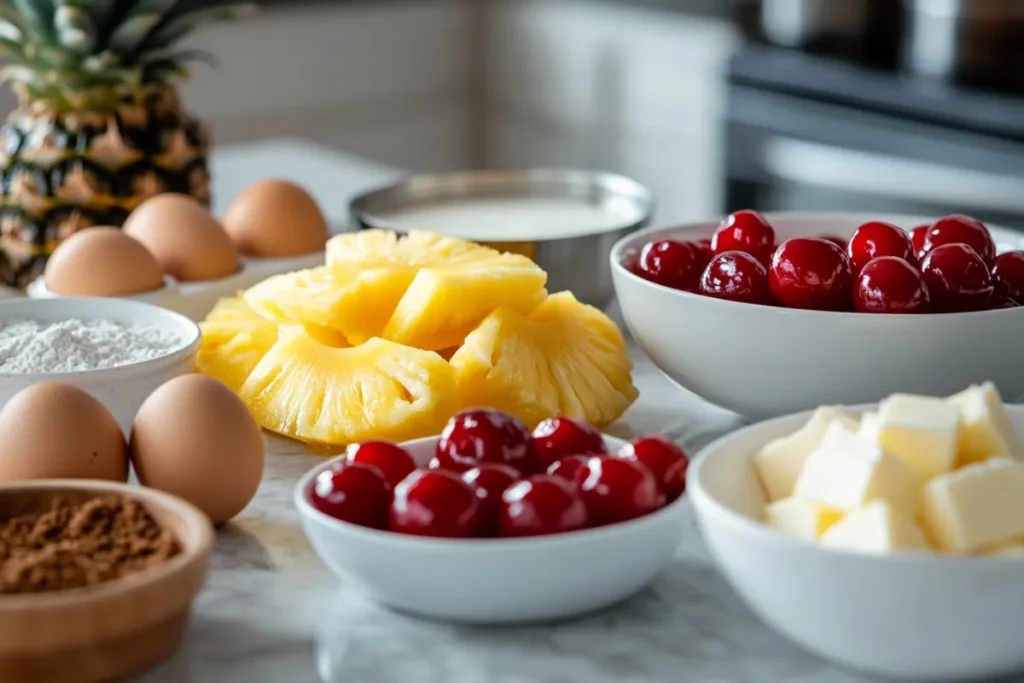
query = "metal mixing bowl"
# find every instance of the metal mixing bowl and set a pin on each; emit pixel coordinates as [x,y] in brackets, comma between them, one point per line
[579,264]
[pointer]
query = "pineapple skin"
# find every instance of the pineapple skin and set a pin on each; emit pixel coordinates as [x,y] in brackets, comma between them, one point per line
[63,172]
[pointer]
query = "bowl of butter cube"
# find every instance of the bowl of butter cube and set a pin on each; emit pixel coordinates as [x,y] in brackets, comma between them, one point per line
[887,538]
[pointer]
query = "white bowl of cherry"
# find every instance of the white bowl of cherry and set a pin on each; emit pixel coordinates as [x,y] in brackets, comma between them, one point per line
[773,314]
[489,523]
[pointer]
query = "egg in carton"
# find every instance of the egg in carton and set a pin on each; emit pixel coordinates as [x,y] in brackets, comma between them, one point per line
[174,253]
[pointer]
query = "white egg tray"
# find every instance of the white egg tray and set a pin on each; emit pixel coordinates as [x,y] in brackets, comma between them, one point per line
[195,299]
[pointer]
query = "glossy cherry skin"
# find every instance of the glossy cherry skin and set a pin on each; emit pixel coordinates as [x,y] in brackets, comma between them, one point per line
[539,506]
[354,493]
[1008,274]
[836,240]
[618,490]
[964,230]
[490,480]
[1000,301]
[736,276]
[568,467]
[811,273]
[484,435]
[665,460]
[704,250]
[392,460]
[437,503]
[671,263]
[917,237]
[560,437]
[957,279]
[745,231]
[889,284]
[875,239]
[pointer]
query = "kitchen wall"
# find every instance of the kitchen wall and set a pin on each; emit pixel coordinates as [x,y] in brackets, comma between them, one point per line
[448,84]
[611,85]
[384,80]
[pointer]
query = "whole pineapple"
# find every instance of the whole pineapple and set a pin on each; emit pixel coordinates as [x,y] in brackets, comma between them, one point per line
[99,127]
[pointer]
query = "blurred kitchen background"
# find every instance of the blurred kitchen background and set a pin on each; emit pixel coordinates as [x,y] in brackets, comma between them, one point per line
[909,105]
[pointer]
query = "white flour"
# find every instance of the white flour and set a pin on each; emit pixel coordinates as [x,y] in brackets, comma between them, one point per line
[28,346]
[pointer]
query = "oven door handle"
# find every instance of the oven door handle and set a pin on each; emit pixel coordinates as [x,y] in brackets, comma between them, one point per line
[880,175]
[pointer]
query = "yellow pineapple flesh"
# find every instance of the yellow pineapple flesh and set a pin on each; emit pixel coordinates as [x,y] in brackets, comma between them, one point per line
[379,390]
[563,358]
[373,248]
[235,338]
[351,302]
[443,305]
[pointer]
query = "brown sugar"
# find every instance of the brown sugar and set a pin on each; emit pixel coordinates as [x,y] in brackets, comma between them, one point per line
[77,544]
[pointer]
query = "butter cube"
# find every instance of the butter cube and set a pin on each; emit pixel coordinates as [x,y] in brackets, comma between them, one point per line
[780,461]
[877,527]
[869,426]
[921,431]
[977,506]
[847,471]
[803,519]
[986,430]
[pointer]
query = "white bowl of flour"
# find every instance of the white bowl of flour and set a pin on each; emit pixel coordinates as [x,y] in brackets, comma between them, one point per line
[118,350]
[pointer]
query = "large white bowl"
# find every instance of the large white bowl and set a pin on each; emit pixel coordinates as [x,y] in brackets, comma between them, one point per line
[914,616]
[121,389]
[496,581]
[763,361]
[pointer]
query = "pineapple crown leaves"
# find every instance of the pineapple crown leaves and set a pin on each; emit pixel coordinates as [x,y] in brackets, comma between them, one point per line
[77,53]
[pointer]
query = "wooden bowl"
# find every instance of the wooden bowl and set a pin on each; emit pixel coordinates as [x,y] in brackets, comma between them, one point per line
[102,632]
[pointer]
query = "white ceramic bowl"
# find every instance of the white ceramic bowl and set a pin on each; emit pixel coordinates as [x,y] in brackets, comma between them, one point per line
[121,389]
[494,580]
[762,361]
[914,616]
[37,289]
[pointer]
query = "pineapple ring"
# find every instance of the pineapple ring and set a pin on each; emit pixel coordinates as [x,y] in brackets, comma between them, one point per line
[564,358]
[378,390]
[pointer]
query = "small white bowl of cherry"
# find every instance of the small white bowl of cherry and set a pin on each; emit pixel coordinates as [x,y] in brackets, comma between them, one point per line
[490,523]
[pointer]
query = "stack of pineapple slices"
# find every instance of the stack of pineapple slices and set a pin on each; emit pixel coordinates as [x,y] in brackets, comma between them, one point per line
[357,349]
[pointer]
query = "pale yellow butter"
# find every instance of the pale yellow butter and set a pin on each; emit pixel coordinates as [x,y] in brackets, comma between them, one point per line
[921,431]
[878,527]
[986,430]
[975,507]
[847,471]
[869,426]
[802,519]
[779,462]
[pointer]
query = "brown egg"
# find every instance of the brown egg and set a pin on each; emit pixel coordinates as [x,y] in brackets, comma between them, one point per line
[276,219]
[102,262]
[56,431]
[195,439]
[186,240]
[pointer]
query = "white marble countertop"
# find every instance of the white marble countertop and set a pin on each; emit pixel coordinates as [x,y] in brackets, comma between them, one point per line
[272,613]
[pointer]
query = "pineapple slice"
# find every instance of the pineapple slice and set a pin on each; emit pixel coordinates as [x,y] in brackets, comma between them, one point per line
[373,248]
[443,305]
[379,390]
[355,303]
[564,358]
[232,308]
[235,338]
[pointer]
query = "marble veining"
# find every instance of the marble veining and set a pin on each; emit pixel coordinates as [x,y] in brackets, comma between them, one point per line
[272,613]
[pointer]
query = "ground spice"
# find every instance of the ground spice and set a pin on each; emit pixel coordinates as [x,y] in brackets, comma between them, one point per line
[77,544]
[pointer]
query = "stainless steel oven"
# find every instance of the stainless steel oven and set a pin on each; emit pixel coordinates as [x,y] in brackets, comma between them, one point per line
[803,132]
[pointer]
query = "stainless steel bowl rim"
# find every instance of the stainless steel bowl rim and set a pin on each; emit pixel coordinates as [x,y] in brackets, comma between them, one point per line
[437,187]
